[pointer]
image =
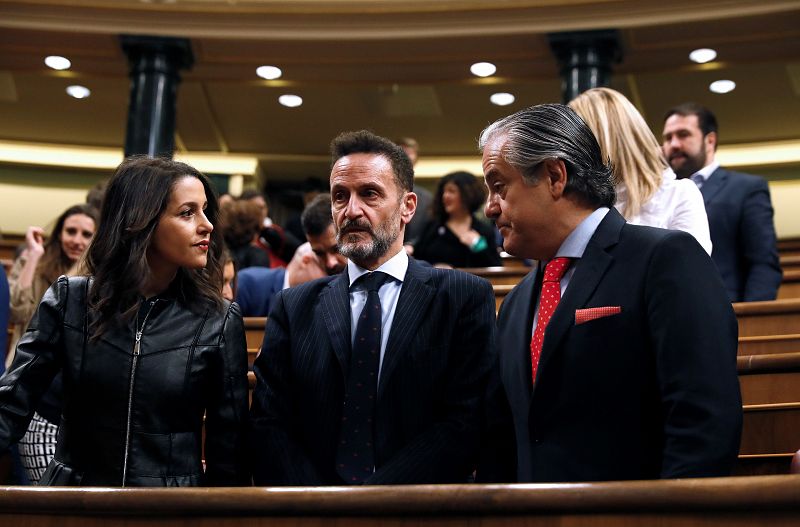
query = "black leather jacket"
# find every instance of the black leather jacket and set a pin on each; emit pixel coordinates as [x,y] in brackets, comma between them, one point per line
[134,413]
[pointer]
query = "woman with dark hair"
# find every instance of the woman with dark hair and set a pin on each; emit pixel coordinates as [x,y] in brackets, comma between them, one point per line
[40,264]
[456,237]
[43,261]
[146,344]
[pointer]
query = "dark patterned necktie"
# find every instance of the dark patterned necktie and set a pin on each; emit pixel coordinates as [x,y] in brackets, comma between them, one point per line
[355,459]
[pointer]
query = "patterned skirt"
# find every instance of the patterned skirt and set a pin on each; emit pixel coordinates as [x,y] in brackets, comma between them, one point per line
[38,446]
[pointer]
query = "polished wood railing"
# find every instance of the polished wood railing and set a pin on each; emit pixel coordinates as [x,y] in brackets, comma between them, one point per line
[729,502]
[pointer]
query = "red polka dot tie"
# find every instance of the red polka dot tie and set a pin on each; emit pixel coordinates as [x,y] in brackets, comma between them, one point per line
[548,301]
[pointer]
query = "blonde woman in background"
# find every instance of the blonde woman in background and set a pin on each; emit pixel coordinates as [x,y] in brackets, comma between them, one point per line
[648,192]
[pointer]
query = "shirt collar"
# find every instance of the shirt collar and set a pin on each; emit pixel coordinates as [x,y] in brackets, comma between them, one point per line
[707,170]
[396,267]
[575,244]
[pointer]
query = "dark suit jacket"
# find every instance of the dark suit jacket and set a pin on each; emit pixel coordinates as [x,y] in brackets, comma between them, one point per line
[4,313]
[255,288]
[650,392]
[433,379]
[743,234]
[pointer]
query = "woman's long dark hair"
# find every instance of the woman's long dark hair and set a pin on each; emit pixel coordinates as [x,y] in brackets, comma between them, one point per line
[137,195]
[472,191]
[54,261]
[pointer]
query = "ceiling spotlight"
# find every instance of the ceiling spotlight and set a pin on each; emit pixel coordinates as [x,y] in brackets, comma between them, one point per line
[702,55]
[269,72]
[722,86]
[290,101]
[57,63]
[79,92]
[502,99]
[483,69]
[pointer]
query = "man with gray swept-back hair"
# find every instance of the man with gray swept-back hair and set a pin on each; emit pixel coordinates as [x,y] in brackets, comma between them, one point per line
[617,352]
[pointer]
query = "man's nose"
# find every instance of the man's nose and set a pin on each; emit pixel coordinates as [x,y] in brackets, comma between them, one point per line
[491,210]
[353,209]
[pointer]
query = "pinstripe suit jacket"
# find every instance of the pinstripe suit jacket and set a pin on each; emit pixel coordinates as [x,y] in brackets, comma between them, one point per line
[433,379]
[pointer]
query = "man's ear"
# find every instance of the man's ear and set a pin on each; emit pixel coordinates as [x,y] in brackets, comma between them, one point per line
[711,141]
[408,207]
[555,173]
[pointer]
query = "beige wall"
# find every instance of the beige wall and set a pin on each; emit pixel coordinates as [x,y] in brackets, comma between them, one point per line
[786,201]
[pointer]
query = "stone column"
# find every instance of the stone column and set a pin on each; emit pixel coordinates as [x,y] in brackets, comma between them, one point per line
[585,58]
[155,63]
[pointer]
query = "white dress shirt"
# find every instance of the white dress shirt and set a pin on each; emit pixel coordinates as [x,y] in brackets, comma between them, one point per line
[389,292]
[677,205]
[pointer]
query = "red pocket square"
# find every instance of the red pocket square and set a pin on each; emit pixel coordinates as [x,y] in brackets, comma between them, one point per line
[592,313]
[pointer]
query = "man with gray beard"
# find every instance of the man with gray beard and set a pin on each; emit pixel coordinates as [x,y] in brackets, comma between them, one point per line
[376,375]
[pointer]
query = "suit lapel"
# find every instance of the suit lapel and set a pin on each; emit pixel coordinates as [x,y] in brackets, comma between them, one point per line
[516,344]
[713,184]
[412,306]
[589,270]
[335,306]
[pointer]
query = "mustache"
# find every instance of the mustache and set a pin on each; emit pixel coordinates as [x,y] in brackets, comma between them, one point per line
[353,225]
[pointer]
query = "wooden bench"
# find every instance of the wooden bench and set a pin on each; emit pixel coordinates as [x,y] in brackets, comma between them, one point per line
[777,317]
[499,275]
[790,285]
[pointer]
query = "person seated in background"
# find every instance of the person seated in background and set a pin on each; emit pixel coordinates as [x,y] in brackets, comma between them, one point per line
[240,222]
[279,244]
[256,286]
[648,192]
[228,276]
[456,237]
[316,258]
[320,232]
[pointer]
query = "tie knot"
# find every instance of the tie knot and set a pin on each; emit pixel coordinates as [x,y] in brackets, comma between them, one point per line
[555,269]
[372,281]
[698,179]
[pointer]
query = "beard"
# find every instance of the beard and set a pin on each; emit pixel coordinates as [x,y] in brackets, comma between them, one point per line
[381,238]
[691,163]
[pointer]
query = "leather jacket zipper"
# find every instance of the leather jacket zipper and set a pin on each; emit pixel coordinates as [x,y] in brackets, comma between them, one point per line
[137,346]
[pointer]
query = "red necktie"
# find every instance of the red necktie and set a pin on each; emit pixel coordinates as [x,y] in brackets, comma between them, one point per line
[548,301]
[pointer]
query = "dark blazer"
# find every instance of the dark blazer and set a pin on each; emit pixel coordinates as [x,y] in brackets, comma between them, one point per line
[433,379]
[743,234]
[4,312]
[651,392]
[255,288]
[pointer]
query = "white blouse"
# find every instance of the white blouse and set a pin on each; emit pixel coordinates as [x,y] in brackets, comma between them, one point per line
[677,204]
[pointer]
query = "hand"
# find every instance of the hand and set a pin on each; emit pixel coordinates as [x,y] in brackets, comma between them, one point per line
[34,241]
[409,249]
[469,237]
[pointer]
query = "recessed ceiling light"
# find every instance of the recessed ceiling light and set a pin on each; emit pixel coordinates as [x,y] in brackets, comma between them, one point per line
[291,101]
[722,86]
[702,55]
[57,63]
[79,92]
[483,69]
[502,99]
[269,72]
